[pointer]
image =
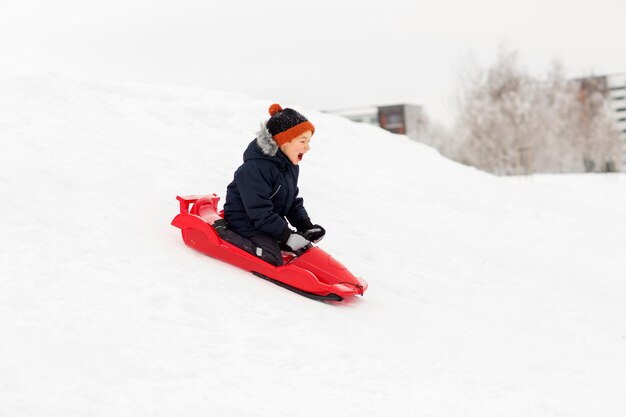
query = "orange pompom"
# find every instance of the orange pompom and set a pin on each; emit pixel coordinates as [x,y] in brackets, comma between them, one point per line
[275,108]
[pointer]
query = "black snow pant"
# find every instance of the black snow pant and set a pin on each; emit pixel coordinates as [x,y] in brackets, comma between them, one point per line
[264,247]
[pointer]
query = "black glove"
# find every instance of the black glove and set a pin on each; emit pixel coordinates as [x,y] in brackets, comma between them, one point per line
[315,233]
[296,241]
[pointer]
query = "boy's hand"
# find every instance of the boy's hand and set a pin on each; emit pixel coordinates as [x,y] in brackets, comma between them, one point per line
[296,241]
[315,233]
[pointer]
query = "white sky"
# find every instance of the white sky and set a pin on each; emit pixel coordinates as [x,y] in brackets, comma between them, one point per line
[322,54]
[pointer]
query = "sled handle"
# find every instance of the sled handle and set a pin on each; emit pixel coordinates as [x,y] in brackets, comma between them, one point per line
[186,200]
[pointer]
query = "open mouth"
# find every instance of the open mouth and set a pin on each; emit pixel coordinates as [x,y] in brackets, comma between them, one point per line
[300,155]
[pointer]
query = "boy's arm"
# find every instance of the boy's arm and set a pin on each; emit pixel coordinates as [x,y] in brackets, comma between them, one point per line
[300,219]
[298,215]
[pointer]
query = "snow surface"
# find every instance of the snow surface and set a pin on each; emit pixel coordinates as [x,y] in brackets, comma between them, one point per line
[488,296]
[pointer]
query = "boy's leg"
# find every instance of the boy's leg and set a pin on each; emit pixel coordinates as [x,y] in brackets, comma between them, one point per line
[264,247]
[267,249]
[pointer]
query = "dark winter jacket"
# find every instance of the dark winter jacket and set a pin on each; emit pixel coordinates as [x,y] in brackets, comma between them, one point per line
[264,192]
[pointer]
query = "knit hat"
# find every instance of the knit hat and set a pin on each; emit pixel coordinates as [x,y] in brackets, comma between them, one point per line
[287,124]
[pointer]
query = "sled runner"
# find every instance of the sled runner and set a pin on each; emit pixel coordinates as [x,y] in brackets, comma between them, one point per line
[313,273]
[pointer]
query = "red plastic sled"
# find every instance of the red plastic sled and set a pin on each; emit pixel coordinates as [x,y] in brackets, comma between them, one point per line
[314,274]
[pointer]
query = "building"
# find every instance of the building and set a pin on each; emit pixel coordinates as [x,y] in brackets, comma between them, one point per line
[616,85]
[404,119]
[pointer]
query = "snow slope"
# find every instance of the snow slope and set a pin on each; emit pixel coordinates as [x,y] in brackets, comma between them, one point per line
[488,296]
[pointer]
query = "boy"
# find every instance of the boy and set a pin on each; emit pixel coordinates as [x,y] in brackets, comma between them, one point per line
[264,192]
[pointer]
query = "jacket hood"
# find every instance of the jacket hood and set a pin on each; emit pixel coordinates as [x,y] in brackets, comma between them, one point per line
[266,142]
[264,147]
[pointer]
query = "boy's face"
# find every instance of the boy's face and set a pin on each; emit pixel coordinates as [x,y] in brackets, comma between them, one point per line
[298,146]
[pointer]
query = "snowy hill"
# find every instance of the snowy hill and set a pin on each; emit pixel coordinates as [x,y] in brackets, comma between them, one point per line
[488,296]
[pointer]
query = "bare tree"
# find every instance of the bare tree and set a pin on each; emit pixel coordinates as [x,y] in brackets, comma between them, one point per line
[513,123]
[599,140]
[495,116]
